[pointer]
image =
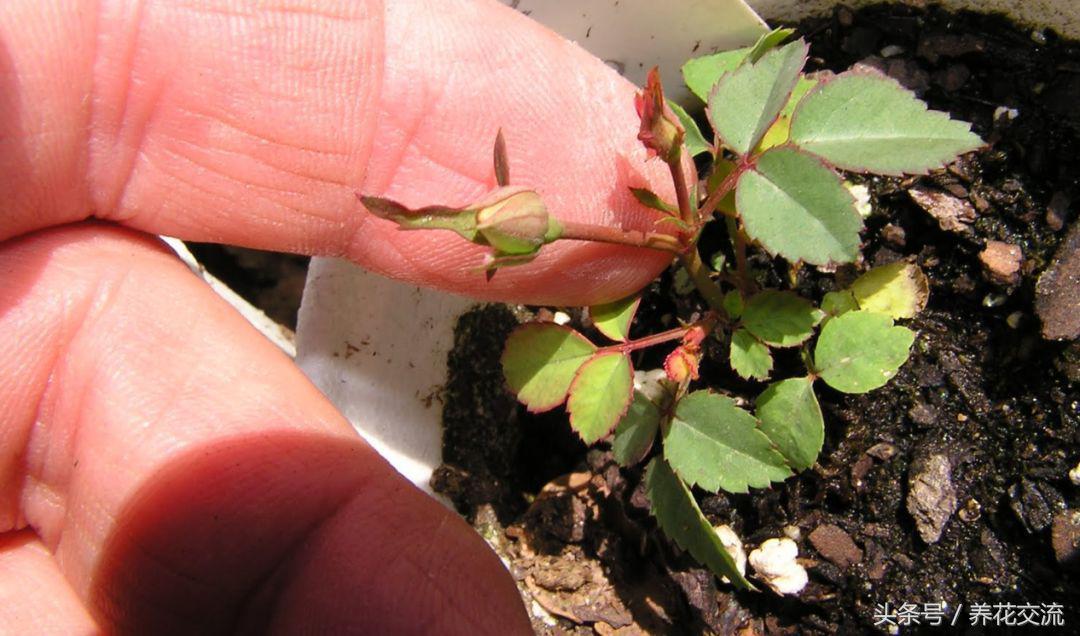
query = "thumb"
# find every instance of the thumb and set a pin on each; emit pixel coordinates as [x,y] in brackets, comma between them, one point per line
[256,125]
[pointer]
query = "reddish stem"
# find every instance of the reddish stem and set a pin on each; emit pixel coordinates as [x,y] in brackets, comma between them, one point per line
[725,187]
[604,234]
[687,209]
[708,323]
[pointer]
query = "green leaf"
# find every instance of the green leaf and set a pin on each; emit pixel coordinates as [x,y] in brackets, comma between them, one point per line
[768,42]
[714,444]
[868,122]
[749,357]
[678,514]
[781,318]
[779,133]
[600,394]
[733,303]
[791,418]
[702,73]
[797,207]
[613,319]
[650,199]
[745,102]
[861,351]
[898,289]
[636,431]
[694,140]
[801,90]
[540,361]
[839,302]
[433,217]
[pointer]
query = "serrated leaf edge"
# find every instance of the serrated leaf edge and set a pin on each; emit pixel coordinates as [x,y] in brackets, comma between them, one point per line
[546,325]
[873,73]
[760,133]
[626,402]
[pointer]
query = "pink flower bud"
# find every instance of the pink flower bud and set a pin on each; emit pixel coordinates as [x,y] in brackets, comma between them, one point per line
[660,131]
[514,220]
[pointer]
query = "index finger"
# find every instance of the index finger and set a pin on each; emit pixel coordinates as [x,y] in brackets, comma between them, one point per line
[255,124]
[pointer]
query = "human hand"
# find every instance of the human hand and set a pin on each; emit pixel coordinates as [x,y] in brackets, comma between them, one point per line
[162,467]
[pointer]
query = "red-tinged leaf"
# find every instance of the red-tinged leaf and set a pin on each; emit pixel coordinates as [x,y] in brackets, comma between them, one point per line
[540,361]
[613,319]
[600,395]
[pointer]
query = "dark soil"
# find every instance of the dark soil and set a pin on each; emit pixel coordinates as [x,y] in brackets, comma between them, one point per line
[271,281]
[984,395]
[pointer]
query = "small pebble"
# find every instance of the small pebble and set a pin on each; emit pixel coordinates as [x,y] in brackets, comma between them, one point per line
[1003,112]
[894,235]
[931,496]
[1074,475]
[1057,210]
[561,318]
[862,198]
[892,50]
[833,543]
[1001,262]
[1038,36]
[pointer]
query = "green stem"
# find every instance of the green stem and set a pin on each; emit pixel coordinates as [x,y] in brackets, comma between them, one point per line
[709,290]
[604,234]
[742,269]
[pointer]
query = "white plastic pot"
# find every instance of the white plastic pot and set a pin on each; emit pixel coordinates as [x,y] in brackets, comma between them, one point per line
[378,348]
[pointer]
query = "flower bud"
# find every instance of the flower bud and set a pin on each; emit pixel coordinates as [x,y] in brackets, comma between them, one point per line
[681,364]
[515,220]
[661,131]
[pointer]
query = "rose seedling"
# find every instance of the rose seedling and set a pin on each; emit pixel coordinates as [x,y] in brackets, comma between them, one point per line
[779,139]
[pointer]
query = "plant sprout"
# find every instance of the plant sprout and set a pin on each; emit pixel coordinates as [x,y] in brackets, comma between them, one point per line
[779,138]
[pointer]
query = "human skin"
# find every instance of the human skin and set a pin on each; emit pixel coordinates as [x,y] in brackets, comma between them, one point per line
[165,469]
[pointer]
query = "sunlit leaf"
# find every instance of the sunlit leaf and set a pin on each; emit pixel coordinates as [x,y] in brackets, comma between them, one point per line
[868,122]
[600,394]
[839,302]
[781,318]
[861,351]
[749,357]
[791,418]
[679,516]
[636,432]
[702,73]
[798,208]
[779,133]
[613,319]
[898,289]
[716,445]
[746,101]
[694,140]
[540,361]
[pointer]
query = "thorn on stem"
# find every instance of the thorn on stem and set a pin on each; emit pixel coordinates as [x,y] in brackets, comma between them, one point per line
[502,165]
